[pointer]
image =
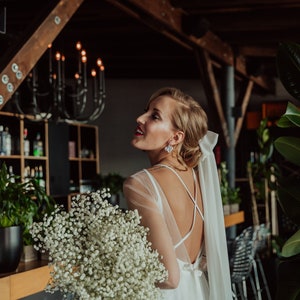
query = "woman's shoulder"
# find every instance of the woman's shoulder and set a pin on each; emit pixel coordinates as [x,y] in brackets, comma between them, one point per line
[145,172]
[136,178]
[148,176]
[136,174]
[141,182]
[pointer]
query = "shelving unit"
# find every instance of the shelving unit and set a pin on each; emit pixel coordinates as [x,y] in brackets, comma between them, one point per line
[83,156]
[74,159]
[16,124]
[71,149]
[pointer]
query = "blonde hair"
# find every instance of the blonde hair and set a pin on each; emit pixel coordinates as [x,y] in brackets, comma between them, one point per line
[190,118]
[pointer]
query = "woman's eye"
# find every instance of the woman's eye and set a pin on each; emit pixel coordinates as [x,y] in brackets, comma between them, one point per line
[155,116]
[152,114]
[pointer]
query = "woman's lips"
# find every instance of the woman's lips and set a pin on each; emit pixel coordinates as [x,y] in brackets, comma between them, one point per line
[138,131]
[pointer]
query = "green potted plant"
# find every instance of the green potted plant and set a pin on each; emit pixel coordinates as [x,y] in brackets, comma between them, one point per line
[288,67]
[114,181]
[21,203]
[260,170]
[230,195]
[235,199]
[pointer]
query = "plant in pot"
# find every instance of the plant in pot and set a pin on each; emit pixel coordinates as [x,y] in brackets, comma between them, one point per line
[114,182]
[230,195]
[288,145]
[260,170]
[21,203]
[234,199]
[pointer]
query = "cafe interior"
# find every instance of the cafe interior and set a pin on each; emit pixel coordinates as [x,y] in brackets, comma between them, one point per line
[75,74]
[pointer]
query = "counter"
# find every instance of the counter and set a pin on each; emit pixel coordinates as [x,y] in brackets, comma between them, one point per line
[28,279]
[234,219]
[32,277]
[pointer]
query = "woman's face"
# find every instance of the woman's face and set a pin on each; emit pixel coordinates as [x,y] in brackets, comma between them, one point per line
[155,129]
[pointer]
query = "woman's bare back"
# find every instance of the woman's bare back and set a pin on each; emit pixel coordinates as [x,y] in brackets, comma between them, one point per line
[182,205]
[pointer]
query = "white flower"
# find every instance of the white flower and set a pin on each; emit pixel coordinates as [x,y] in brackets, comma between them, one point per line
[98,251]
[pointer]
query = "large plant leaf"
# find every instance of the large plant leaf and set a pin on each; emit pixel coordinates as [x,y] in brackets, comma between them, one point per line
[289,198]
[292,245]
[288,67]
[288,274]
[289,147]
[290,118]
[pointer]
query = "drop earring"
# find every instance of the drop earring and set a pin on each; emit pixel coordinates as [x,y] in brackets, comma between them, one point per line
[169,148]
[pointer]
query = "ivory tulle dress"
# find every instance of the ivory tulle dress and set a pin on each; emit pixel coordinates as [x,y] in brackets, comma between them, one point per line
[208,278]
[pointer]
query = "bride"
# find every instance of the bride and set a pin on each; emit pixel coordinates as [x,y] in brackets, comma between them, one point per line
[178,197]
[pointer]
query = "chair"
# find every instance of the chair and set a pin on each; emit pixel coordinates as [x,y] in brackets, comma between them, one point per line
[241,264]
[245,264]
[260,243]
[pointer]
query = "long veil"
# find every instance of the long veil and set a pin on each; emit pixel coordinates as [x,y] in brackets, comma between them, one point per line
[215,238]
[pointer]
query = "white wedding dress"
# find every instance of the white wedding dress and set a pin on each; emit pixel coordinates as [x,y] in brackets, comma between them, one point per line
[208,278]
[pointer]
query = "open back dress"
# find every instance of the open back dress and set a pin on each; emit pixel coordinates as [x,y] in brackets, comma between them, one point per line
[208,277]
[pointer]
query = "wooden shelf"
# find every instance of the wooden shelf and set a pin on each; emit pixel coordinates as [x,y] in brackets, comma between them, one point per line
[28,279]
[83,159]
[16,124]
[234,219]
[83,154]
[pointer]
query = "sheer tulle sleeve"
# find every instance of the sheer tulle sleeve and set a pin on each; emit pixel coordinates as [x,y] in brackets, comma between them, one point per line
[141,194]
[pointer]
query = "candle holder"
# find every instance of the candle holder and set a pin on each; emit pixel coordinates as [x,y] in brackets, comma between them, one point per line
[64,100]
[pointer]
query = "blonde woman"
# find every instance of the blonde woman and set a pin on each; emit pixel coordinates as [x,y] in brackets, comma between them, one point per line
[178,197]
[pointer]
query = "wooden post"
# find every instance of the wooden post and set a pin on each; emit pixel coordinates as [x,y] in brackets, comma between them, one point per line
[255,217]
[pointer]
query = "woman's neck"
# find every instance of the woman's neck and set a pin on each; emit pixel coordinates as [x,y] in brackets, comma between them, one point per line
[165,158]
[157,158]
[171,162]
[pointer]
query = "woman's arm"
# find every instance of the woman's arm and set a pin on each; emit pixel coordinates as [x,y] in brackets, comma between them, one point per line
[138,198]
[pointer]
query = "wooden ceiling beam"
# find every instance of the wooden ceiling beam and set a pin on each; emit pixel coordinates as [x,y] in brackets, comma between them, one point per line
[257,51]
[210,85]
[221,6]
[163,17]
[245,103]
[282,21]
[24,60]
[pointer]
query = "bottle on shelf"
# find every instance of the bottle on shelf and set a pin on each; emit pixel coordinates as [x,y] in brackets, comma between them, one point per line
[32,173]
[8,142]
[26,175]
[32,176]
[40,177]
[38,147]
[26,143]
[36,172]
[11,174]
[2,141]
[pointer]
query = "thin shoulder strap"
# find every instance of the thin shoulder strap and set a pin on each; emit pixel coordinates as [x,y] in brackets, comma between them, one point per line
[196,207]
[160,202]
[185,186]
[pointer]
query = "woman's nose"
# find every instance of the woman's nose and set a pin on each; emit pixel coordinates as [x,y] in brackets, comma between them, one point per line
[141,119]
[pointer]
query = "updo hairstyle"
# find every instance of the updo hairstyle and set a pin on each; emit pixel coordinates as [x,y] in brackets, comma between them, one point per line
[190,118]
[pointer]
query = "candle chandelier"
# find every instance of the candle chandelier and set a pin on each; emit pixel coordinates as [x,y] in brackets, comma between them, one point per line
[60,99]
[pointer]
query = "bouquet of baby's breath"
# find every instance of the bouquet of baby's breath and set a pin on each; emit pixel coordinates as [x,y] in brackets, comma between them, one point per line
[97,251]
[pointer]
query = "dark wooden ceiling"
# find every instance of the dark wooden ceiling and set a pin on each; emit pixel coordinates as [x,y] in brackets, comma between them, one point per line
[134,44]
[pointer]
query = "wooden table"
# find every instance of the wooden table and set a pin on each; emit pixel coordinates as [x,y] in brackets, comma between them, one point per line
[32,277]
[234,219]
[28,279]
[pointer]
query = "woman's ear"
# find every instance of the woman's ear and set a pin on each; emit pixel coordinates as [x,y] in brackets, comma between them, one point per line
[177,137]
